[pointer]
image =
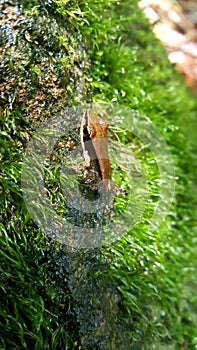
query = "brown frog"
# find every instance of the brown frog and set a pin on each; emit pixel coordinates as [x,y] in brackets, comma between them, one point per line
[93,133]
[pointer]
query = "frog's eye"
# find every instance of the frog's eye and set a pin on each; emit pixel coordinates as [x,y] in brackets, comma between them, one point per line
[86,131]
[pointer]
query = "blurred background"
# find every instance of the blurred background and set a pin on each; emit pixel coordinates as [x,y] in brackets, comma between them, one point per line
[175,24]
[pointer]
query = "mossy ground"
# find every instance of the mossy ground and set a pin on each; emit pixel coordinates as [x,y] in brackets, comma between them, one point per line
[85,54]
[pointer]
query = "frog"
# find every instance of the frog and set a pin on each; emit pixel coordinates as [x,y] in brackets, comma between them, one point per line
[94,139]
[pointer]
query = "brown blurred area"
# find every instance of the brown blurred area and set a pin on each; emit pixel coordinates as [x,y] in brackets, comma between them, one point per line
[175,24]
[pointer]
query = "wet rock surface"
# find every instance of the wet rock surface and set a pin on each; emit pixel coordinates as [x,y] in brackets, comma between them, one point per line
[176,26]
[96,302]
[44,64]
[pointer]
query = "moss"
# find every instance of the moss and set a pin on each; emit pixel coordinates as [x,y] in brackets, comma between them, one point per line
[59,54]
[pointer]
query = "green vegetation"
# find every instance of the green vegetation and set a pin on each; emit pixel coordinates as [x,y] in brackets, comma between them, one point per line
[108,48]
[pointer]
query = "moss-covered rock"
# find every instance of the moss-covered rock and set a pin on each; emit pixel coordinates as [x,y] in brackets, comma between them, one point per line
[139,291]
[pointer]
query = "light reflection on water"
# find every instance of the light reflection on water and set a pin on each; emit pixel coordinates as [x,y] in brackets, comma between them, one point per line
[88,223]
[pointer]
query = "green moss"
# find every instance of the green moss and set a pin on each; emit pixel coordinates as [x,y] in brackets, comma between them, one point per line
[154,272]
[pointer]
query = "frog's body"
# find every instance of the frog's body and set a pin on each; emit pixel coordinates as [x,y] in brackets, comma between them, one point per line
[94,144]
